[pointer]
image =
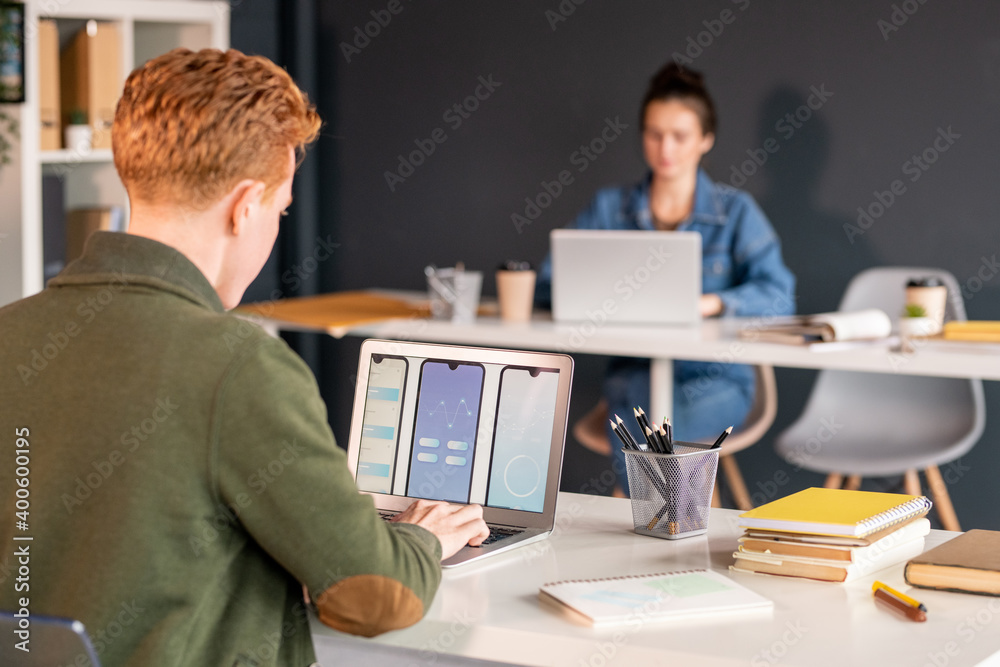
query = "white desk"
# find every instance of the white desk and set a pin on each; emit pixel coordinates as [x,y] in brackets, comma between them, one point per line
[714,340]
[490,610]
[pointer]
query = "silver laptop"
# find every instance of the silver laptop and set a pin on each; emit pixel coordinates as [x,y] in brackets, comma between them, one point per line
[627,276]
[465,425]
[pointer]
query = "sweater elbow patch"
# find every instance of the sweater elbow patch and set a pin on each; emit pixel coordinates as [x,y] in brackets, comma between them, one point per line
[368,605]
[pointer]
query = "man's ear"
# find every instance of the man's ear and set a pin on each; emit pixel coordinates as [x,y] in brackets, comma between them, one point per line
[246,197]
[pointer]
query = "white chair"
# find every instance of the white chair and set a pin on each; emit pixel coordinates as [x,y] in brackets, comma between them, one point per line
[753,428]
[883,424]
[53,641]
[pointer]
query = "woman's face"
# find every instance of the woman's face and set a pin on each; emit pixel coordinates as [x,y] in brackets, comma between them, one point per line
[672,139]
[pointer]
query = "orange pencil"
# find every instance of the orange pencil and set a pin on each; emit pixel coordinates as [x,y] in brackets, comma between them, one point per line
[890,600]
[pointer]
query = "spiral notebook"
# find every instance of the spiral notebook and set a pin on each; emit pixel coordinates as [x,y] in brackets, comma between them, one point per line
[645,597]
[835,512]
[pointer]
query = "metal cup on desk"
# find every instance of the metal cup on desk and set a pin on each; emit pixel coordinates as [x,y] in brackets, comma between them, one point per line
[454,293]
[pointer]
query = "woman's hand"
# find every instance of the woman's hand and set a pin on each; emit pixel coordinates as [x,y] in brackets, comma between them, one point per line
[710,304]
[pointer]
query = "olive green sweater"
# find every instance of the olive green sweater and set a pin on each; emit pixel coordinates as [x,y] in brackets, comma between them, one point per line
[183,481]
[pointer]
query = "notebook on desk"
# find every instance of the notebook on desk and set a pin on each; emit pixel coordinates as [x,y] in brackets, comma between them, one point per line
[626,276]
[465,425]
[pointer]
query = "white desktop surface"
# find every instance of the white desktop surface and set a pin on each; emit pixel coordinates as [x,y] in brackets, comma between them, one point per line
[490,610]
[715,339]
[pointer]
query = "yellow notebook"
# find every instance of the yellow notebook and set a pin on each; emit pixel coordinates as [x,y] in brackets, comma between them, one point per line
[976,330]
[835,512]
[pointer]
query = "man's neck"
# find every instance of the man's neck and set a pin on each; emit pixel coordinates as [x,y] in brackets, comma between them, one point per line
[194,234]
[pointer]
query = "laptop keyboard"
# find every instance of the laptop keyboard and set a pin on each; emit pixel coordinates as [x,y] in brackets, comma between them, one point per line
[497,533]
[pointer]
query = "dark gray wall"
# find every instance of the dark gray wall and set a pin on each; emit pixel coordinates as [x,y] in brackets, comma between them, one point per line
[886,80]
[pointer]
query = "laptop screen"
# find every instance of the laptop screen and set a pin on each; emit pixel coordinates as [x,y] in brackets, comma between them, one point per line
[465,425]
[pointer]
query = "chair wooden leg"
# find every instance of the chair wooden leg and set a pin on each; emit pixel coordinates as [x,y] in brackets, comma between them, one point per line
[716,496]
[741,497]
[942,501]
[853,482]
[834,480]
[911,483]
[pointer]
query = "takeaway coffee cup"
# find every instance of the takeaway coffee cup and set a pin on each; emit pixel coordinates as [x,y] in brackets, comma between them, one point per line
[515,291]
[930,294]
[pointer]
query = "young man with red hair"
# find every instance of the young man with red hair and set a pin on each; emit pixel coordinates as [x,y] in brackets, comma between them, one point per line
[183,482]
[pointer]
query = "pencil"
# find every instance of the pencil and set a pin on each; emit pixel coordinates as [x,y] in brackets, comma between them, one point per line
[894,603]
[725,434]
[902,596]
[625,442]
[668,445]
[652,440]
[660,443]
[627,433]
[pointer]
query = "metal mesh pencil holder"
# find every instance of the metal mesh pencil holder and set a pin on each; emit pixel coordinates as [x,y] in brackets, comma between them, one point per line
[672,493]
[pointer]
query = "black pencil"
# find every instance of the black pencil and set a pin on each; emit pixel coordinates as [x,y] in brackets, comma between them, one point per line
[627,433]
[653,440]
[625,442]
[652,436]
[668,445]
[725,434]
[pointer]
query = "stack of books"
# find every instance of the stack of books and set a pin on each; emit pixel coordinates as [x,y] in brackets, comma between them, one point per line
[832,534]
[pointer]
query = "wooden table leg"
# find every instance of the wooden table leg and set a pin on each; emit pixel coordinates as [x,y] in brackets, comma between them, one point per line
[942,500]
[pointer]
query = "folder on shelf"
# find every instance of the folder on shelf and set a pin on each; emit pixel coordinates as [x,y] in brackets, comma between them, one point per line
[90,78]
[48,85]
[822,511]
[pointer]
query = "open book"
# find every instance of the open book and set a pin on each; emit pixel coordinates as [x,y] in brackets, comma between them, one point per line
[651,596]
[869,324]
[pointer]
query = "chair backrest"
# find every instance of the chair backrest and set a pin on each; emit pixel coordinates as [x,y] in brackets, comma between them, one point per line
[942,418]
[761,415]
[885,288]
[52,641]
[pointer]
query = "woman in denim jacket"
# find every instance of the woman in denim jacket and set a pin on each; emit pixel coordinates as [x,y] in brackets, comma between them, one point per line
[742,270]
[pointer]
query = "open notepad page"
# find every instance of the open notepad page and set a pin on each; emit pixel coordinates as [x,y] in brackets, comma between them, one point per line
[653,596]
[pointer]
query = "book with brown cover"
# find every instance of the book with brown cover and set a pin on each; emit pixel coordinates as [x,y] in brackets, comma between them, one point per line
[823,569]
[781,545]
[830,540]
[969,563]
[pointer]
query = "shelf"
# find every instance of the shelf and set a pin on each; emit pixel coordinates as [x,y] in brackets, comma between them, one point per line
[67,156]
[144,30]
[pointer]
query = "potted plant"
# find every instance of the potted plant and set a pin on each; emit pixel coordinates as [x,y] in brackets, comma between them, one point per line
[8,134]
[78,134]
[915,325]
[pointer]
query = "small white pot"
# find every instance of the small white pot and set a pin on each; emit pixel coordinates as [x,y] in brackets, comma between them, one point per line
[78,138]
[912,331]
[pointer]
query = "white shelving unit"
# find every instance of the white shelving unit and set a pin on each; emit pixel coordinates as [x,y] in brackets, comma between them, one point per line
[147,28]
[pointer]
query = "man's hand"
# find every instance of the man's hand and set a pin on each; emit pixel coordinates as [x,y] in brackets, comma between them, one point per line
[454,525]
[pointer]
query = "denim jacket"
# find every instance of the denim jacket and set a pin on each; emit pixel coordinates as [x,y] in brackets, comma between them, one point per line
[741,254]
